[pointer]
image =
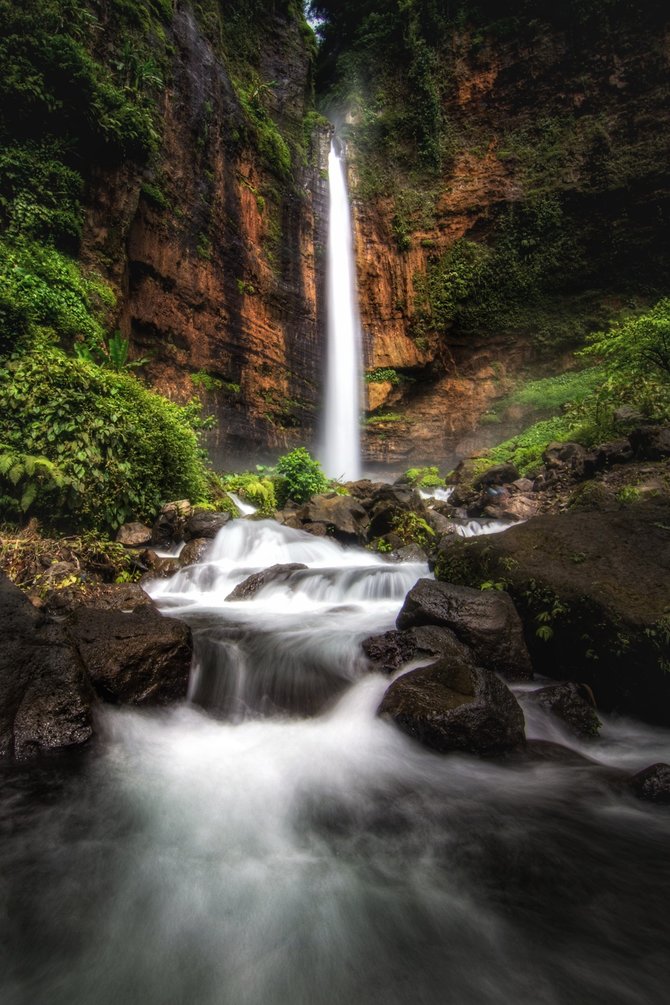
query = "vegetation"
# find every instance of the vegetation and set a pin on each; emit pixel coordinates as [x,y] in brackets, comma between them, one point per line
[254,488]
[427,478]
[382,375]
[84,446]
[301,477]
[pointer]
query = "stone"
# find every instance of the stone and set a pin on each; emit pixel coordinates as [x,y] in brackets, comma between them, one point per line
[557,455]
[168,529]
[205,525]
[571,702]
[454,706]
[652,783]
[274,574]
[342,517]
[524,486]
[606,455]
[484,620]
[141,658]
[519,507]
[45,697]
[134,535]
[388,504]
[650,443]
[103,596]
[592,589]
[499,474]
[193,551]
[393,650]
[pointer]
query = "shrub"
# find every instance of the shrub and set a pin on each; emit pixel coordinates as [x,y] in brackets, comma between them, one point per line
[382,375]
[253,488]
[119,450]
[302,477]
[424,477]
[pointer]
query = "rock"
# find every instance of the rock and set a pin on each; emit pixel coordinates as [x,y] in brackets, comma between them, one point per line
[388,503]
[518,507]
[484,620]
[558,455]
[499,474]
[626,414]
[193,551]
[168,529]
[102,596]
[593,593]
[205,525]
[573,703]
[608,454]
[341,517]
[45,697]
[140,658]
[650,443]
[453,706]
[652,784]
[524,486]
[409,553]
[392,650]
[274,574]
[159,568]
[134,535]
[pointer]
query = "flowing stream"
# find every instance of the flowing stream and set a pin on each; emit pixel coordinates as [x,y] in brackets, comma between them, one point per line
[341,450]
[239,851]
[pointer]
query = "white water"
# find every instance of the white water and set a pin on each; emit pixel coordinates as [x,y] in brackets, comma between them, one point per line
[341,452]
[253,856]
[245,508]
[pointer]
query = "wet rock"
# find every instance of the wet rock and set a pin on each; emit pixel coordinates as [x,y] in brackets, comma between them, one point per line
[524,486]
[45,697]
[573,703]
[193,551]
[388,504]
[499,474]
[392,650]
[274,574]
[409,553]
[592,589]
[159,568]
[341,517]
[454,706]
[518,507]
[141,658]
[134,535]
[168,529]
[650,443]
[652,784]
[205,525]
[484,620]
[103,596]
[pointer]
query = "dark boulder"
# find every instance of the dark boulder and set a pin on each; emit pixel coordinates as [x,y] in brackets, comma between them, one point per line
[499,474]
[484,620]
[45,697]
[134,535]
[168,529]
[572,703]
[332,515]
[650,443]
[593,593]
[392,650]
[652,784]
[606,455]
[454,706]
[274,574]
[103,596]
[387,506]
[193,551]
[205,525]
[140,658]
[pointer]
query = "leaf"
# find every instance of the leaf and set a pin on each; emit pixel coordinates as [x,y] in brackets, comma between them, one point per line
[28,497]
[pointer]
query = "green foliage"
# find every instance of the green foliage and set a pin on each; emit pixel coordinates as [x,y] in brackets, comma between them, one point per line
[119,450]
[254,488]
[42,289]
[553,393]
[382,417]
[636,346]
[413,529]
[424,477]
[302,477]
[382,375]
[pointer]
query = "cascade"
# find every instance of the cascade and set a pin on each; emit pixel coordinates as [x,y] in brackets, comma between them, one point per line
[341,451]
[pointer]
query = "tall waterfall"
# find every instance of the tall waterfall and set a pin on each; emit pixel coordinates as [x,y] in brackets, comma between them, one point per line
[341,449]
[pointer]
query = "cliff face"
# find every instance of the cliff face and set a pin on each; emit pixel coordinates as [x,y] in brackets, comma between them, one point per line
[561,127]
[215,251]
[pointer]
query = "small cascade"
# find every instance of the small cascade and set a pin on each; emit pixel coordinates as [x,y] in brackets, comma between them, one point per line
[341,449]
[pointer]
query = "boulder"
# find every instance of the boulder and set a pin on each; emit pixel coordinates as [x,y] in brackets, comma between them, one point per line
[274,574]
[559,455]
[45,697]
[572,703]
[593,592]
[388,503]
[650,443]
[484,620]
[392,650]
[606,455]
[168,529]
[519,507]
[454,706]
[134,535]
[103,596]
[205,525]
[193,551]
[341,517]
[499,474]
[652,784]
[141,658]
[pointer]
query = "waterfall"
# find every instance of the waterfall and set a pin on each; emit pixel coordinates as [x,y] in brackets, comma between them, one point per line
[341,450]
